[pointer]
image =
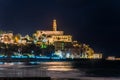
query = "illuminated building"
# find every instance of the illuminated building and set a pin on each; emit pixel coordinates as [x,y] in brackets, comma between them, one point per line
[39,33]
[59,53]
[111,58]
[97,56]
[117,58]
[52,36]
[54,25]
[6,38]
[65,38]
[61,43]
[22,40]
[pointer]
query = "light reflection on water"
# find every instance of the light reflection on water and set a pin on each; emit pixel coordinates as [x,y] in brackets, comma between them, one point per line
[55,70]
[42,69]
[58,66]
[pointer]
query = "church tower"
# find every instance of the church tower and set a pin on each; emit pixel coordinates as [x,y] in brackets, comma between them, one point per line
[54,25]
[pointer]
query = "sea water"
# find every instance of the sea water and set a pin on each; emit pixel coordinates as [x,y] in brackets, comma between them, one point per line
[57,71]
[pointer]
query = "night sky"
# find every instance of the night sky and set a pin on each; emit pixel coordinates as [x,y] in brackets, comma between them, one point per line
[94,22]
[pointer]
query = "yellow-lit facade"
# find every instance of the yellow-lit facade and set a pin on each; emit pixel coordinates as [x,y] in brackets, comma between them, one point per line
[6,38]
[110,58]
[53,35]
[39,33]
[54,25]
[64,38]
[58,39]
[97,55]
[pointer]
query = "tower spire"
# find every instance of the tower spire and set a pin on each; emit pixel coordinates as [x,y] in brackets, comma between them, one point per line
[54,25]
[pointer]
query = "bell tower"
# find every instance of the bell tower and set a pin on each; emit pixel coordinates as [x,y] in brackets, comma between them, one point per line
[54,25]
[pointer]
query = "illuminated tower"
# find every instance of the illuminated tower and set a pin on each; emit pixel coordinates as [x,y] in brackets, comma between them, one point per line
[54,25]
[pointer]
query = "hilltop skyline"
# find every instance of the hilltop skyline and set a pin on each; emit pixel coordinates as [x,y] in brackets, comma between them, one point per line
[92,22]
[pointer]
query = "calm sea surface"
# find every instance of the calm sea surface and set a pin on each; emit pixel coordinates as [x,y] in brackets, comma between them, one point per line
[57,71]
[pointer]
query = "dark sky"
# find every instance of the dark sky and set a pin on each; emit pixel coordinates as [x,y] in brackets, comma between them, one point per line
[94,22]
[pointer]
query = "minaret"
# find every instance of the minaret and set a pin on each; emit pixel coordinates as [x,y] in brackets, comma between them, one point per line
[54,25]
